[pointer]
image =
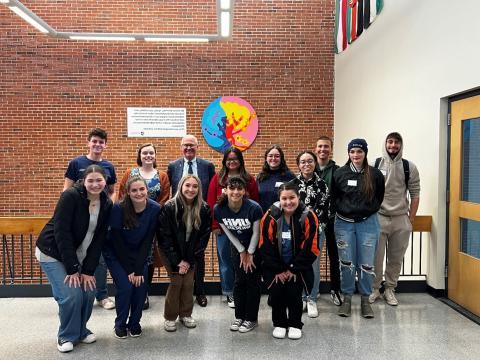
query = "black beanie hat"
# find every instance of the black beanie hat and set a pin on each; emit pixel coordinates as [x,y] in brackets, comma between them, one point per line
[358,143]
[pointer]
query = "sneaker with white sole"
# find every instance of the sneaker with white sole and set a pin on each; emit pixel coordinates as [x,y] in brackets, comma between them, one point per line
[294,333]
[337,297]
[304,305]
[279,332]
[188,322]
[135,332]
[312,310]
[120,333]
[90,338]
[64,346]
[374,296]
[235,325]
[107,303]
[247,326]
[170,325]
[230,301]
[389,296]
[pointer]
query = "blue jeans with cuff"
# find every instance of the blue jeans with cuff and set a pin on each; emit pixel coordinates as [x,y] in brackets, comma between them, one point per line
[74,304]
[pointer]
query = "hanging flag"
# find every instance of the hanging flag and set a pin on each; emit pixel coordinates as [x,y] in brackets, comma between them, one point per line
[351,18]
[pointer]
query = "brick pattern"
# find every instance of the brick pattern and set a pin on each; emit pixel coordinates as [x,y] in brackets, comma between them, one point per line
[52,91]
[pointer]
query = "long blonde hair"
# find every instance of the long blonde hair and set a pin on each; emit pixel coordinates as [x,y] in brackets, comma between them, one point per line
[197,202]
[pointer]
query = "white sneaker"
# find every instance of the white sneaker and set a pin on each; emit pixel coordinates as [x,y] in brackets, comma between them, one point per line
[64,346]
[312,310]
[279,332]
[294,333]
[230,301]
[107,303]
[90,338]
[235,325]
[374,296]
[188,322]
[390,298]
[170,325]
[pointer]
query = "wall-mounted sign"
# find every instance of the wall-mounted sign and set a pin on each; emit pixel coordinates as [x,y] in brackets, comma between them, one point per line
[229,121]
[156,122]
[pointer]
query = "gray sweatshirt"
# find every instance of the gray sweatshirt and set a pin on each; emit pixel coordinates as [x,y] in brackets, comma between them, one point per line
[395,201]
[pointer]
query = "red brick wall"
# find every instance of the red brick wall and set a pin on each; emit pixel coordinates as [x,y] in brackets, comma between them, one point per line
[52,91]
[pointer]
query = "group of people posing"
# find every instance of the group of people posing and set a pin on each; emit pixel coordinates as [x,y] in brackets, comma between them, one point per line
[269,229]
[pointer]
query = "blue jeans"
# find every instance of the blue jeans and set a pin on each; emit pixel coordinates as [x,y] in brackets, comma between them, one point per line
[357,244]
[225,264]
[101,280]
[74,304]
[129,299]
[316,269]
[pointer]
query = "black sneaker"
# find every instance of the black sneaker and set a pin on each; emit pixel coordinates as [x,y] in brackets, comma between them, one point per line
[64,346]
[120,333]
[146,304]
[136,332]
[336,297]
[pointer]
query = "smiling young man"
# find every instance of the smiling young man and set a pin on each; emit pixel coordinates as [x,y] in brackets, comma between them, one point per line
[325,169]
[97,143]
[190,163]
[396,215]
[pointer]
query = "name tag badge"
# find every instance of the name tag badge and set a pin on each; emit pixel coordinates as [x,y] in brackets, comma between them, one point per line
[278,183]
[352,183]
[286,235]
[384,172]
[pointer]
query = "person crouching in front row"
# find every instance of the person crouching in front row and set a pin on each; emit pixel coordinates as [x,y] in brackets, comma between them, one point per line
[183,231]
[288,246]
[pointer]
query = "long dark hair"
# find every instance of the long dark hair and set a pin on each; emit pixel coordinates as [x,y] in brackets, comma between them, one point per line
[266,171]
[368,187]
[129,215]
[223,174]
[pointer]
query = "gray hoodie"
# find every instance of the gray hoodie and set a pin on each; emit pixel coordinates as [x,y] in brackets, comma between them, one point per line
[395,201]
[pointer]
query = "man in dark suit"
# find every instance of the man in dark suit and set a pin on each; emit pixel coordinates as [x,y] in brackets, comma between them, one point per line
[204,169]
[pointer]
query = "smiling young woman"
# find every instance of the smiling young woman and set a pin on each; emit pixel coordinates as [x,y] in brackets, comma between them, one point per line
[132,228]
[68,249]
[183,232]
[288,246]
[158,187]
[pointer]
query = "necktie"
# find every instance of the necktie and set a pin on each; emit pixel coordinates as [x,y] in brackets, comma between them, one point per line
[190,169]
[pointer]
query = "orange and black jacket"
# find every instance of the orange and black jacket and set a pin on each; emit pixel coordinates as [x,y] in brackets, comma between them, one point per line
[304,228]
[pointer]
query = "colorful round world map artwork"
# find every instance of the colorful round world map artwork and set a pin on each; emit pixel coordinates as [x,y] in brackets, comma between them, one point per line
[229,121]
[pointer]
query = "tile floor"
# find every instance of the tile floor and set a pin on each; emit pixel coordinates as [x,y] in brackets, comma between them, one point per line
[421,327]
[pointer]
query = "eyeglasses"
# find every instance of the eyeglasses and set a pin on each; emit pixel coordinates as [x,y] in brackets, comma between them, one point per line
[305,162]
[232,160]
[189,146]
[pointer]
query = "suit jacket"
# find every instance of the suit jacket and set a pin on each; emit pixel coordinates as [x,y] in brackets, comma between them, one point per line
[205,170]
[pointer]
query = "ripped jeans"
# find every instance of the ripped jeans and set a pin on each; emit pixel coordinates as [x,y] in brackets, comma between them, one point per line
[357,244]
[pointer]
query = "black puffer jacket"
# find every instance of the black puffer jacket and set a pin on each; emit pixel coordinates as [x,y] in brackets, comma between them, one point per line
[65,231]
[171,234]
[350,201]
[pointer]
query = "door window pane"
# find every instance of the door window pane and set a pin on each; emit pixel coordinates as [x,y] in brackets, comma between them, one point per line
[470,237]
[471,160]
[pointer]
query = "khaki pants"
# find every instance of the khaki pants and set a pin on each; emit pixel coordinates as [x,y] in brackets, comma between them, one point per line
[179,298]
[395,236]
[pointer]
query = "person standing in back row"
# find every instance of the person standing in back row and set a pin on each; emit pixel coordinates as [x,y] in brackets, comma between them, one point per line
[97,143]
[396,215]
[325,169]
[191,164]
